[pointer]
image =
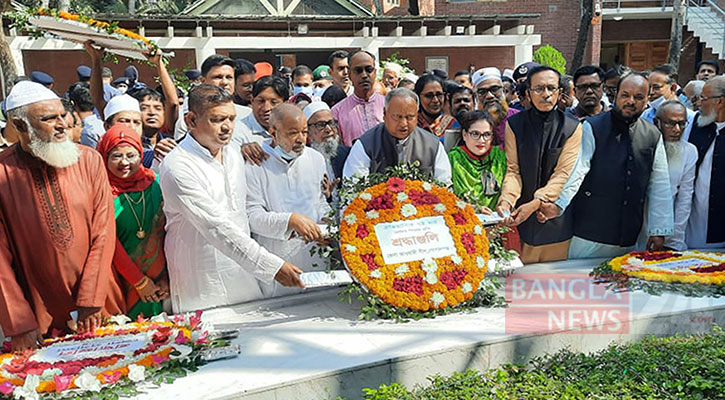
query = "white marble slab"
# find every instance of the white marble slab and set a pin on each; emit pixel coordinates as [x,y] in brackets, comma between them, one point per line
[313,344]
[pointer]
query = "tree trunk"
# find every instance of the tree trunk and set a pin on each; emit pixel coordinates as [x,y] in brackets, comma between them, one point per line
[676,33]
[44,3]
[132,7]
[63,5]
[8,71]
[581,40]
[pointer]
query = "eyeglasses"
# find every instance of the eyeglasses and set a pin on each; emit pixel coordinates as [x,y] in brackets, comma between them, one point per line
[486,136]
[494,90]
[672,124]
[610,90]
[321,125]
[540,89]
[703,98]
[431,95]
[407,118]
[359,70]
[584,88]
[118,157]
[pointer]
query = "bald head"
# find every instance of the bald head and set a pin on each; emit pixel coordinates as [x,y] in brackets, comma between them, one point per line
[632,94]
[288,126]
[285,112]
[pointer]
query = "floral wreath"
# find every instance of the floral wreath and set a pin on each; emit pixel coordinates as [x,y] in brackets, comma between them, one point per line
[166,345]
[431,283]
[22,20]
[689,272]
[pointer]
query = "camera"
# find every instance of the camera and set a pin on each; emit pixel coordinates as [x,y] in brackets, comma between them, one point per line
[597,9]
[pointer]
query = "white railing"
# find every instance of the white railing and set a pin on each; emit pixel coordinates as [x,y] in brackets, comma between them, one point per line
[713,18]
[619,4]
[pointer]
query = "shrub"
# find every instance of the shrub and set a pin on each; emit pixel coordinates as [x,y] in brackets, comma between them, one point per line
[548,55]
[677,367]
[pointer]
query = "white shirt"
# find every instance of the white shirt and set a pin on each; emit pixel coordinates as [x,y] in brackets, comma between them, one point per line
[212,260]
[358,163]
[696,234]
[249,131]
[275,190]
[682,183]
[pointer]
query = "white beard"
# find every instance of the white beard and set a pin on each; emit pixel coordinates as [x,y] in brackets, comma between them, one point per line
[56,154]
[706,119]
[328,148]
[675,153]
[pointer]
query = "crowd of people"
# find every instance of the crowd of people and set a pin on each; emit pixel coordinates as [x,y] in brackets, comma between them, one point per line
[122,198]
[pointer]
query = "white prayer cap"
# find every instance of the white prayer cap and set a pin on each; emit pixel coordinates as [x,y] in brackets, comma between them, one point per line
[314,107]
[509,73]
[28,92]
[120,103]
[484,74]
[411,77]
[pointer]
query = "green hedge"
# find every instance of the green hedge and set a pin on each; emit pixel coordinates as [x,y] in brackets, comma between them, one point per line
[678,367]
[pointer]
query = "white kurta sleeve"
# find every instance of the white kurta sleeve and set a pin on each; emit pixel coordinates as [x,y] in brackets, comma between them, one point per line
[262,221]
[186,194]
[357,163]
[683,200]
[443,171]
[660,217]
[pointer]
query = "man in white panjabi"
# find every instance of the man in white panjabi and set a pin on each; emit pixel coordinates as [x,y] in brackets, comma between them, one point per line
[285,200]
[212,259]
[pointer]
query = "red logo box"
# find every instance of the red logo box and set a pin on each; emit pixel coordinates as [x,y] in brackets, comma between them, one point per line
[570,302]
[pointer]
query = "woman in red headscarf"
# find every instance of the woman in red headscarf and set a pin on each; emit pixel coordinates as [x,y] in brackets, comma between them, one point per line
[139,256]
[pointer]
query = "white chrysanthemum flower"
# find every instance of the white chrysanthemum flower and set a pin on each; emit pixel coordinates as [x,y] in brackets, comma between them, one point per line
[456,259]
[477,229]
[377,273]
[350,218]
[402,269]
[408,210]
[427,186]
[350,248]
[366,196]
[136,373]
[466,287]
[440,207]
[480,262]
[49,373]
[183,349]
[429,265]
[120,319]
[460,204]
[88,382]
[431,278]
[402,196]
[437,299]
[23,392]
[372,214]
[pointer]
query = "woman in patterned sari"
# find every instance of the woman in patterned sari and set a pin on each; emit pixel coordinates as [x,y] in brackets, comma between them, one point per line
[139,258]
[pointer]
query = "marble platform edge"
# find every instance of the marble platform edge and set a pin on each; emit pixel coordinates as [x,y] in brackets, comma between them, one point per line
[414,369]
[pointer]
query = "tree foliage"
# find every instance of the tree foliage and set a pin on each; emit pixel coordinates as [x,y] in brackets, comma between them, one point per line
[549,55]
[135,7]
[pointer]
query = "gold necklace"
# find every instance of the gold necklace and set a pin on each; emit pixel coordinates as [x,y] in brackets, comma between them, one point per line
[140,233]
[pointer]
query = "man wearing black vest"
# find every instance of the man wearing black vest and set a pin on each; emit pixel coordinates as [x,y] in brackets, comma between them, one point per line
[542,145]
[622,167]
[706,228]
[398,140]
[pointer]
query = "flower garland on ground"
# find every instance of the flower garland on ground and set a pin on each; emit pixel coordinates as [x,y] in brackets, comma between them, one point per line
[691,272]
[417,289]
[169,348]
